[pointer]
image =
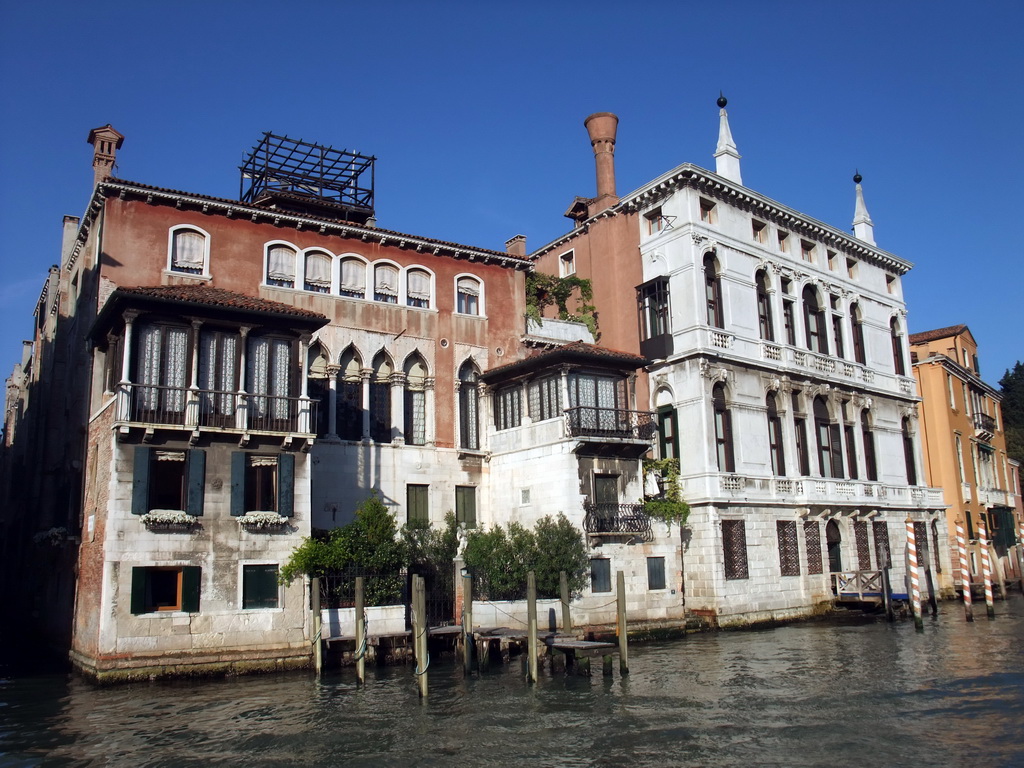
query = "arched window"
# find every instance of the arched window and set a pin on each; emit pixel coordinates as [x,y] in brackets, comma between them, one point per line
[417,288]
[415,401]
[830,449]
[908,452]
[385,283]
[834,542]
[764,307]
[775,445]
[380,399]
[353,278]
[188,251]
[468,290]
[281,266]
[469,408]
[870,463]
[897,348]
[319,391]
[857,326]
[814,322]
[349,401]
[318,272]
[723,430]
[713,292]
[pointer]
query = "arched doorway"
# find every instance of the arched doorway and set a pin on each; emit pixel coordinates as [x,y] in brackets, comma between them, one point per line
[834,542]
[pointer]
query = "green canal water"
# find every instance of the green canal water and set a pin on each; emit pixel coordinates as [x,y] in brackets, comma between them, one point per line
[815,694]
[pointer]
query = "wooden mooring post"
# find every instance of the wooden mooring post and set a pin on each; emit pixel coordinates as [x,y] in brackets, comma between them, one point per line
[887,594]
[563,593]
[467,623]
[620,627]
[531,627]
[986,568]
[318,655]
[914,577]
[965,571]
[360,631]
[419,633]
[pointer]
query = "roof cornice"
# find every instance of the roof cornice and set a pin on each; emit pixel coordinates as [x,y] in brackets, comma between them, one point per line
[713,185]
[961,372]
[233,208]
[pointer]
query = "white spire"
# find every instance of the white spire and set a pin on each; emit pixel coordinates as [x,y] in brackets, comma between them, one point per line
[862,226]
[727,158]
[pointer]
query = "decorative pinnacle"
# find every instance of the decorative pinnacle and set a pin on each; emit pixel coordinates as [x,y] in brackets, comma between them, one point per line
[722,101]
[857,178]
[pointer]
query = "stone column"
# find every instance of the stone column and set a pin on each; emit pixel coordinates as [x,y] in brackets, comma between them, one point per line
[332,400]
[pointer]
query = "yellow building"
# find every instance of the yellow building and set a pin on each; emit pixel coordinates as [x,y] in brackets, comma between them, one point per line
[965,448]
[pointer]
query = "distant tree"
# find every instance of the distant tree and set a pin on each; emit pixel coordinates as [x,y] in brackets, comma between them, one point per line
[1012,387]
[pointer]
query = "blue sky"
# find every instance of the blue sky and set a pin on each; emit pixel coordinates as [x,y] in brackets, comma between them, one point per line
[475,113]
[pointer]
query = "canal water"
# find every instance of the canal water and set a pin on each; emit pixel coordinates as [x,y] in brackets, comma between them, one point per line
[838,693]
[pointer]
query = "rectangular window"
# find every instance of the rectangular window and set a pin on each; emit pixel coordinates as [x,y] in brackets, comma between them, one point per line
[851,453]
[600,574]
[860,536]
[789,322]
[653,308]
[734,546]
[851,268]
[880,529]
[165,588]
[708,214]
[784,241]
[812,543]
[759,230]
[653,222]
[544,398]
[465,505]
[668,442]
[775,448]
[606,489]
[890,283]
[789,552]
[837,335]
[262,483]
[508,412]
[655,573]
[802,451]
[832,261]
[807,251]
[168,480]
[567,264]
[416,507]
[259,586]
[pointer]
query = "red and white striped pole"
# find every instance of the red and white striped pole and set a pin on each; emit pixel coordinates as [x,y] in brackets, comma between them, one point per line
[986,567]
[915,579]
[965,572]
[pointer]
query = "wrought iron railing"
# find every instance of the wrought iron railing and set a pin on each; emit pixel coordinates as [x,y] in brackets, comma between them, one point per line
[590,421]
[182,406]
[984,423]
[616,518]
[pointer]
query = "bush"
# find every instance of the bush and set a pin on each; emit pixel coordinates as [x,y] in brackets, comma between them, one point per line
[500,560]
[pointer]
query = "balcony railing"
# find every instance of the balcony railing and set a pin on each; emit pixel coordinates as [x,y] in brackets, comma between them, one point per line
[985,424]
[588,421]
[615,519]
[193,408]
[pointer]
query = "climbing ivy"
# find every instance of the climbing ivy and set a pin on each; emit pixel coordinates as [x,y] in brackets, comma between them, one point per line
[544,291]
[670,508]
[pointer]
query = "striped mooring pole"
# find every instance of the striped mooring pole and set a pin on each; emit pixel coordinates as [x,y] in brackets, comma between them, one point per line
[986,568]
[914,574]
[965,572]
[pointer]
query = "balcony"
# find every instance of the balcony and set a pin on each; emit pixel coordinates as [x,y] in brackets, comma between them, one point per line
[616,520]
[984,426]
[611,431]
[195,409]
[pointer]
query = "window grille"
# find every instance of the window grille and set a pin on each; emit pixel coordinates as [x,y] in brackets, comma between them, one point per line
[734,545]
[789,552]
[881,532]
[860,532]
[812,541]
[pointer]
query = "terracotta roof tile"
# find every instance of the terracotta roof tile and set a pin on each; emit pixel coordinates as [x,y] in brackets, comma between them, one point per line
[576,351]
[218,297]
[939,333]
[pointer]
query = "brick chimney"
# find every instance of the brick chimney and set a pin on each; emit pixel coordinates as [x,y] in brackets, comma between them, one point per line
[602,126]
[516,245]
[105,143]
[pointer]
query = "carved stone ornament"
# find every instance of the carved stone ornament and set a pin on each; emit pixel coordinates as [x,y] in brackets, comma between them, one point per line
[772,384]
[713,373]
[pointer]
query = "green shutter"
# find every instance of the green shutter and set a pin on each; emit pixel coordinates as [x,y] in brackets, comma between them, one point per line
[286,484]
[416,503]
[238,483]
[196,474]
[140,481]
[140,579]
[465,505]
[190,577]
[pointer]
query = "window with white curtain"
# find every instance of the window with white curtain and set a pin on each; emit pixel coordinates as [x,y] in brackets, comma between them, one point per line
[385,283]
[469,407]
[218,376]
[162,369]
[353,278]
[318,272]
[281,266]
[468,296]
[270,368]
[417,291]
[188,252]
[416,402]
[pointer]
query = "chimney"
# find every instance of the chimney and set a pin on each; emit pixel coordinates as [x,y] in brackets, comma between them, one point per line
[602,126]
[105,143]
[516,246]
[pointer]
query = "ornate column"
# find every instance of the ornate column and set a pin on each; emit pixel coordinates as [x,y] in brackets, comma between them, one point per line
[332,400]
[365,374]
[397,382]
